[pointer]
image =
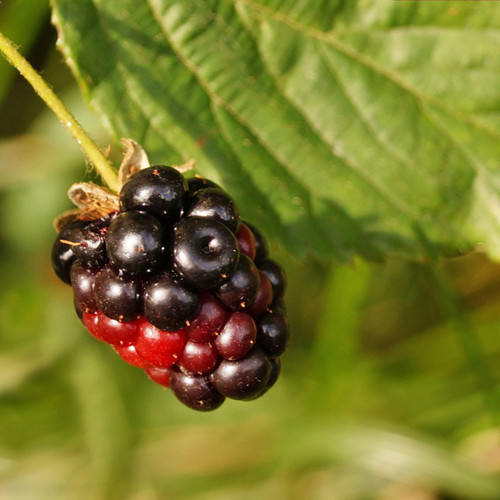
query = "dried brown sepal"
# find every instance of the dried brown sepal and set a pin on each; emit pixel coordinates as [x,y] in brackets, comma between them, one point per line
[185,167]
[90,197]
[93,201]
[135,159]
[66,218]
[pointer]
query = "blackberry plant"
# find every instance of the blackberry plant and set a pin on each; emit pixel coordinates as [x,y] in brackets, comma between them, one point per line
[164,270]
[173,281]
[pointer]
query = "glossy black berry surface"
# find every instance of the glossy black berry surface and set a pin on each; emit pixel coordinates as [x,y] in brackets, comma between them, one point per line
[89,245]
[135,242]
[158,190]
[273,333]
[244,378]
[197,183]
[195,391]
[180,288]
[169,302]
[63,255]
[276,276]
[241,289]
[205,251]
[82,282]
[213,203]
[117,295]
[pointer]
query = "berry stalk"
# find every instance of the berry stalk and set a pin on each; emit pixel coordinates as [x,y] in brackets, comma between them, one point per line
[89,147]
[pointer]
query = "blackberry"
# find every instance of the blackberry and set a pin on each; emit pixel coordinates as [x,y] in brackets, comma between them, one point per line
[91,322]
[180,287]
[261,250]
[135,242]
[118,333]
[213,203]
[89,244]
[198,357]
[111,331]
[276,276]
[242,379]
[273,333]
[209,320]
[63,255]
[246,241]
[205,251]
[159,347]
[264,297]
[169,303]
[158,190]
[197,183]
[237,337]
[195,391]
[274,375]
[242,287]
[117,295]
[159,375]
[83,282]
[130,355]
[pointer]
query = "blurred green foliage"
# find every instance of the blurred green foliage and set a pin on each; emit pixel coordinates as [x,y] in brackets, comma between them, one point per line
[389,390]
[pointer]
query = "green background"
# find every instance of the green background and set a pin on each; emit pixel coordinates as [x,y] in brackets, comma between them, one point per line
[389,388]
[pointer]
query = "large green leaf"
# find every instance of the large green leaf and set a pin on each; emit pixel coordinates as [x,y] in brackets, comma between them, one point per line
[340,127]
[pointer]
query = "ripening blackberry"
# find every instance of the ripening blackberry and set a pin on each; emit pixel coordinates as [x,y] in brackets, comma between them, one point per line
[172,278]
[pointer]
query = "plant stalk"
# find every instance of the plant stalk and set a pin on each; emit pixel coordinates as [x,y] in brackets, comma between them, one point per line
[89,147]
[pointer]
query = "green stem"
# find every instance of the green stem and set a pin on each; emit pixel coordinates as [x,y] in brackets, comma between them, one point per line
[94,154]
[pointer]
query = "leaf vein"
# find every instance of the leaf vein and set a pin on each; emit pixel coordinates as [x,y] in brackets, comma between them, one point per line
[333,40]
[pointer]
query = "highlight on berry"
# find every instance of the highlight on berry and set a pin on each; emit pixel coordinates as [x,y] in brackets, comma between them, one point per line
[168,274]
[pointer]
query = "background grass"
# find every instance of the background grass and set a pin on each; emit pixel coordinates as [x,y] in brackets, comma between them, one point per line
[389,389]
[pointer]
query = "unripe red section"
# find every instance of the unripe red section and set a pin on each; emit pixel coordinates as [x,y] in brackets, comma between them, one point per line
[159,375]
[246,241]
[109,330]
[129,354]
[210,319]
[160,348]
[91,322]
[237,337]
[116,333]
[198,357]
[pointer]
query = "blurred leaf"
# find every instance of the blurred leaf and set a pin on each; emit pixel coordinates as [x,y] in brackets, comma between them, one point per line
[337,342]
[426,380]
[282,456]
[390,455]
[20,20]
[45,475]
[27,157]
[471,344]
[292,106]
[107,430]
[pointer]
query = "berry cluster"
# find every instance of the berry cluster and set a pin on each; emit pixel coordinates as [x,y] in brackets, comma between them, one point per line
[180,287]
